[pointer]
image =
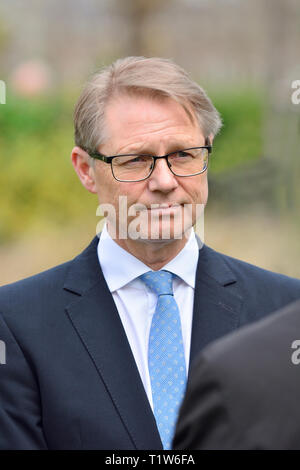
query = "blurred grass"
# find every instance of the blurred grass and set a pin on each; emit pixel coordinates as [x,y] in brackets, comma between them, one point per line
[38,187]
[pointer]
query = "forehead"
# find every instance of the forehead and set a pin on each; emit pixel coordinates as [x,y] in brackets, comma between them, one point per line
[136,120]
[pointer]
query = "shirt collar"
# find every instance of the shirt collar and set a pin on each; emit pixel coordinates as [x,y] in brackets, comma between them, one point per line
[119,267]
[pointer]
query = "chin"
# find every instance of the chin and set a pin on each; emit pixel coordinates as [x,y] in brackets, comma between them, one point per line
[160,232]
[160,226]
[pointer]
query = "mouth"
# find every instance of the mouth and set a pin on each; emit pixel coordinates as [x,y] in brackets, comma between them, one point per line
[164,208]
[158,208]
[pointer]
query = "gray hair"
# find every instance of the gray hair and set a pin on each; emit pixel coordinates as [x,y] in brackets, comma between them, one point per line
[155,77]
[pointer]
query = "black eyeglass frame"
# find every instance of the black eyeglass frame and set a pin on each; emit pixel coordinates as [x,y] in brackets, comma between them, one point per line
[108,159]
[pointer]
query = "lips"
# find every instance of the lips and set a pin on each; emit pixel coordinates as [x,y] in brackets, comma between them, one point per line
[164,205]
[155,206]
[164,209]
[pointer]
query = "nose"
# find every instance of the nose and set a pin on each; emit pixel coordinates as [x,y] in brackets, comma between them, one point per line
[162,179]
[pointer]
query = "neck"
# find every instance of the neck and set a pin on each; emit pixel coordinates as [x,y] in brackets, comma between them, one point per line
[154,254]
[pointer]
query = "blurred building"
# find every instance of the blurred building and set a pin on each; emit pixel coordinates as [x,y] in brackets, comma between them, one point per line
[219,41]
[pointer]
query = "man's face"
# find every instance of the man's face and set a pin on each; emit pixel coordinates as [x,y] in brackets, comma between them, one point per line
[150,126]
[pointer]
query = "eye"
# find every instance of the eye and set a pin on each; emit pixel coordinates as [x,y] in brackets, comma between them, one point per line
[131,160]
[136,159]
[181,155]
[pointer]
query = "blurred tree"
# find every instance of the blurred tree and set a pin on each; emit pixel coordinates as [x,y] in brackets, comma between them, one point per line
[136,14]
[282,134]
[4,35]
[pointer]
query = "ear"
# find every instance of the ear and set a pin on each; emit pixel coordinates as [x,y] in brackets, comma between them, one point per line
[86,174]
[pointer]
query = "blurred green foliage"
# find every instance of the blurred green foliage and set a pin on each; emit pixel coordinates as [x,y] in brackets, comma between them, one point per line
[240,139]
[38,186]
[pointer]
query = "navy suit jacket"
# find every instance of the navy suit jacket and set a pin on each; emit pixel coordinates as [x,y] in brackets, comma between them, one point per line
[70,380]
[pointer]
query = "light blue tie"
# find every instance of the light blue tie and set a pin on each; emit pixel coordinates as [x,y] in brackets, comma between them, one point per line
[165,355]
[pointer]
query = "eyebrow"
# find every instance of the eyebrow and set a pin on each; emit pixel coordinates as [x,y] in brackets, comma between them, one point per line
[143,150]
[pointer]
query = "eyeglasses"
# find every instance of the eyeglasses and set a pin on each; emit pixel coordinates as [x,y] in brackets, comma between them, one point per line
[138,167]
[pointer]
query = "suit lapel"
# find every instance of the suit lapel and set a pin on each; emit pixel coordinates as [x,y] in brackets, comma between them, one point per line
[217,301]
[94,316]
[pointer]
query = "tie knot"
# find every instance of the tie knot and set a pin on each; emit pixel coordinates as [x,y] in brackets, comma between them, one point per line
[159,282]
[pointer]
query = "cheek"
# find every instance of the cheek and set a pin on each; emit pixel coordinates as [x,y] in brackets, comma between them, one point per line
[122,196]
[198,191]
[107,186]
[132,192]
[204,191]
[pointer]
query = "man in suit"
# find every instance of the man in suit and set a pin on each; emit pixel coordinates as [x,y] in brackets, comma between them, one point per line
[244,389]
[79,373]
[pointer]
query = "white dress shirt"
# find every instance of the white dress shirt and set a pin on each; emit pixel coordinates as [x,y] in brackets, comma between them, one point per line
[136,303]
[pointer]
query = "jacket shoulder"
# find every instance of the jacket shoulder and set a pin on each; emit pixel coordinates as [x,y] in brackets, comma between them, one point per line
[46,289]
[245,271]
[261,291]
[33,287]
